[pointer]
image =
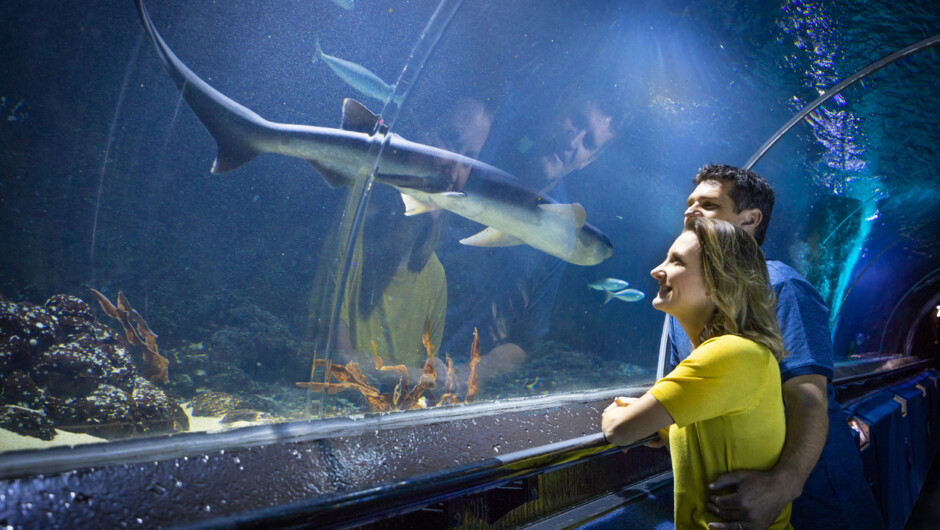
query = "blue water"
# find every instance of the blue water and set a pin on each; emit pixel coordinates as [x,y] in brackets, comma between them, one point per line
[106,184]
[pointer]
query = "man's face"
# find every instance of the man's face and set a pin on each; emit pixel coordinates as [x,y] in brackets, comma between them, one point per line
[712,199]
[465,135]
[576,142]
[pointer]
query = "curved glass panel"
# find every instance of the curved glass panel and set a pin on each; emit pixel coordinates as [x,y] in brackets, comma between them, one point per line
[493,217]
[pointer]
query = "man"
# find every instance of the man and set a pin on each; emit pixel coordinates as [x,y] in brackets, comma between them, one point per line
[576,140]
[512,310]
[820,467]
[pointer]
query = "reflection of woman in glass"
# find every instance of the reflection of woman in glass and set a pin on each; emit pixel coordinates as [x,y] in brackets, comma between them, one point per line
[396,281]
[721,409]
[395,285]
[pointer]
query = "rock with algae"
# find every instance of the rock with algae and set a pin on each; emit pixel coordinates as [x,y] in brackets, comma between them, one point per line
[62,369]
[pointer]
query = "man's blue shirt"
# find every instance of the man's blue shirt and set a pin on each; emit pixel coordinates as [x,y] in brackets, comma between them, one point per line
[804,322]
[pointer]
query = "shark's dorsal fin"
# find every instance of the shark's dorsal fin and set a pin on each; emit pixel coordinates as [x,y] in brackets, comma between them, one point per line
[357,118]
[574,209]
[491,237]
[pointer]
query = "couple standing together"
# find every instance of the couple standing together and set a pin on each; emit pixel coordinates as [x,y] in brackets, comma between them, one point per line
[747,410]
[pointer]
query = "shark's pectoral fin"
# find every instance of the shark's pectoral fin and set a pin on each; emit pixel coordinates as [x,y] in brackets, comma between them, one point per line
[575,210]
[356,117]
[232,155]
[414,206]
[332,178]
[491,237]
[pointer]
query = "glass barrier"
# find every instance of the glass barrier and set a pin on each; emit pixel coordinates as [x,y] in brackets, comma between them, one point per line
[457,203]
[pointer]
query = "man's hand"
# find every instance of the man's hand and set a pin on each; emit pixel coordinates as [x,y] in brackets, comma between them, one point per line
[754,502]
[759,496]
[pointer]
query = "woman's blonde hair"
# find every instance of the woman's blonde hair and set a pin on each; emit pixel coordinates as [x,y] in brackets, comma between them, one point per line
[737,283]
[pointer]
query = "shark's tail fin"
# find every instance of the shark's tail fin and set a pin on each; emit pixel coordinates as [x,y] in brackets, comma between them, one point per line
[234,127]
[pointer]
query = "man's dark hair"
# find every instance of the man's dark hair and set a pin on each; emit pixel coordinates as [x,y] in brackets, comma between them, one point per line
[749,190]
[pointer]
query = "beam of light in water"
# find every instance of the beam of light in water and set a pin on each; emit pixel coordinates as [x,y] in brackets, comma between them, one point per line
[856,245]
[107,150]
[843,168]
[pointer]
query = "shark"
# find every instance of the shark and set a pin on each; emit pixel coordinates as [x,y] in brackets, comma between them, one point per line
[512,213]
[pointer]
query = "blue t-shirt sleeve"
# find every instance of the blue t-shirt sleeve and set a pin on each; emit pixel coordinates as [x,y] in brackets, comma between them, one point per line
[678,346]
[804,324]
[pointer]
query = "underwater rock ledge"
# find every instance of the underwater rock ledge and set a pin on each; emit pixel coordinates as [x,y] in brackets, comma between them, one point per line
[62,369]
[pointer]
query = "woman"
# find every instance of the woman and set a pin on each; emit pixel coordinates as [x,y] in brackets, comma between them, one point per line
[722,406]
[396,285]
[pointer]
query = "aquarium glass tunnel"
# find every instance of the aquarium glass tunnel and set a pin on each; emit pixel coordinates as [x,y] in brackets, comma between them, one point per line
[263,260]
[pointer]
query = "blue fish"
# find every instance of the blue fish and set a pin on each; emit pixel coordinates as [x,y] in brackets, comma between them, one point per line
[348,5]
[627,295]
[357,76]
[609,284]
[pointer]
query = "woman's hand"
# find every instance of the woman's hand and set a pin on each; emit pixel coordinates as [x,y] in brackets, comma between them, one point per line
[628,420]
[613,416]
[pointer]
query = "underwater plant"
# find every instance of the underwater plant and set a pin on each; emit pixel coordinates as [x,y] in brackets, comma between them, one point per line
[137,333]
[350,376]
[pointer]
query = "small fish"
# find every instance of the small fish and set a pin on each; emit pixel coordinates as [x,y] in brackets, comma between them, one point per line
[348,5]
[609,284]
[357,76]
[627,295]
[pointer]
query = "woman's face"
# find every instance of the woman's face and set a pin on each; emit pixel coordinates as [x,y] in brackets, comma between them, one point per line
[682,291]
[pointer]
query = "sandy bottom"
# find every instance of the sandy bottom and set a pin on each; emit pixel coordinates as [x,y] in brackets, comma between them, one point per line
[10,441]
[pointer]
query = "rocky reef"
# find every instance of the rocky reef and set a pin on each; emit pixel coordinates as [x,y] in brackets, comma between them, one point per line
[246,354]
[61,368]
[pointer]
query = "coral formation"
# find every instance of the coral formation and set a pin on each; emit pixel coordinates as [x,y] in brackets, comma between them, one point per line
[350,376]
[244,351]
[137,333]
[61,368]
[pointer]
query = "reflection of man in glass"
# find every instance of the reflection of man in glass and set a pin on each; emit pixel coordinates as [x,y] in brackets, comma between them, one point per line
[576,141]
[508,293]
[464,132]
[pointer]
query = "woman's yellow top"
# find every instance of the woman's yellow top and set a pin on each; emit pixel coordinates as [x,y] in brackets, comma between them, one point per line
[727,403]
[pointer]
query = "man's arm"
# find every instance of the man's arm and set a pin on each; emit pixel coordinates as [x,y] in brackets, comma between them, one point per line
[760,496]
